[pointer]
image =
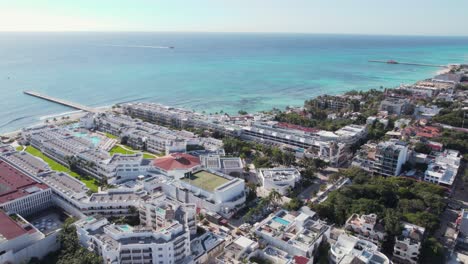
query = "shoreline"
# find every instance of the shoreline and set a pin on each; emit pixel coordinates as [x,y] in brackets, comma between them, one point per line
[75,115]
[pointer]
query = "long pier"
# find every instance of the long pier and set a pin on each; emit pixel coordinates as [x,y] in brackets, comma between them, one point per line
[409,63]
[61,101]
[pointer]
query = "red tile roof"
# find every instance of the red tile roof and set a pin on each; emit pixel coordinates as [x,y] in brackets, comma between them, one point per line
[14,184]
[176,161]
[9,229]
[296,127]
[301,260]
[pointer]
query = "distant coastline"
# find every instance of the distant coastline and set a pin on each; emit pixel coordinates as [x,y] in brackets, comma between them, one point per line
[74,116]
[206,72]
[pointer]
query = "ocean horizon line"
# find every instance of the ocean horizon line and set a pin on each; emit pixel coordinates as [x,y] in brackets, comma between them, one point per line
[236,32]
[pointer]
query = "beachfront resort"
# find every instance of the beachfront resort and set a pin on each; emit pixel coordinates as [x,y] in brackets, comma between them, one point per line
[362,177]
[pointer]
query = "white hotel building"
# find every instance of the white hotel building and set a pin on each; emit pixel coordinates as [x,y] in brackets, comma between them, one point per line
[123,244]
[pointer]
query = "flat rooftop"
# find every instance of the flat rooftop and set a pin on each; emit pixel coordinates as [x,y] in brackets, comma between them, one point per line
[15,184]
[10,229]
[26,162]
[113,197]
[280,174]
[206,180]
[64,183]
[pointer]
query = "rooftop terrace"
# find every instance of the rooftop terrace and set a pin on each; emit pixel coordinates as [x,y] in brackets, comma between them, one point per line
[206,180]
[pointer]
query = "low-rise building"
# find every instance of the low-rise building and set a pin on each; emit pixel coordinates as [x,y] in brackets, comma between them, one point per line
[350,250]
[280,179]
[294,232]
[366,227]
[237,250]
[444,169]
[408,244]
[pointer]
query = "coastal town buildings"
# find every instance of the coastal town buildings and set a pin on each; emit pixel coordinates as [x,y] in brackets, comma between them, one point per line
[237,250]
[385,158]
[21,241]
[168,243]
[296,233]
[396,106]
[390,157]
[280,179]
[366,227]
[408,245]
[227,165]
[444,168]
[336,102]
[350,249]
[21,194]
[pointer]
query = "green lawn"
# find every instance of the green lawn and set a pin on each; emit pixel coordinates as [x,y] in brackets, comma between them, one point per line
[59,167]
[19,148]
[120,150]
[206,180]
[111,136]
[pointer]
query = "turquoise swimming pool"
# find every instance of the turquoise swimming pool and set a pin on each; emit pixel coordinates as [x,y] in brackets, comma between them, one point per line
[94,139]
[281,220]
[125,228]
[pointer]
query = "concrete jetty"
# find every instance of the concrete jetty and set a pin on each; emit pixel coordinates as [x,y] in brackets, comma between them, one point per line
[62,102]
[409,63]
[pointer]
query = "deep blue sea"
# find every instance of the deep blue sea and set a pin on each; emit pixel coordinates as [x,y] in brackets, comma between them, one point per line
[204,71]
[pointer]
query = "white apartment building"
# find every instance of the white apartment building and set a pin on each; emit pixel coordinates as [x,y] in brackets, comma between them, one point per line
[158,210]
[350,249]
[294,232]
[390,157]
[329,146]
[124,244]
[280,179]
[366,227]
[408,244]
[444,169]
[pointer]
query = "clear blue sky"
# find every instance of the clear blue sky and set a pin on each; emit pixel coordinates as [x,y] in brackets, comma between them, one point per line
[401,17]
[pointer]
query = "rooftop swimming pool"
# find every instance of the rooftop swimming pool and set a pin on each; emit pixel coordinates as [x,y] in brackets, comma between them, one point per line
[125,228]
[281,220]
[94,139]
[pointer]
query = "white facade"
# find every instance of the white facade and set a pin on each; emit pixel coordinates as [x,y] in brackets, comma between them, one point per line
[408,244]
[295,233]
[349,249]
[444,169]
[280,179]
[226,165]
[23,240]
[123,244]
[366,227]
[390,157]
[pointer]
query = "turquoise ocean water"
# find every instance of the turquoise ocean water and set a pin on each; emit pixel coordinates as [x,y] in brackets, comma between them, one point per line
[204,71]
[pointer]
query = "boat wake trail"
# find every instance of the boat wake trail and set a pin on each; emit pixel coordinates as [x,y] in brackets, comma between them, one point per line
[14,120]
[138,46]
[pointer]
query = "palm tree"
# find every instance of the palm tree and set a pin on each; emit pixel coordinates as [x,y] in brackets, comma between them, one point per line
[274,196]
